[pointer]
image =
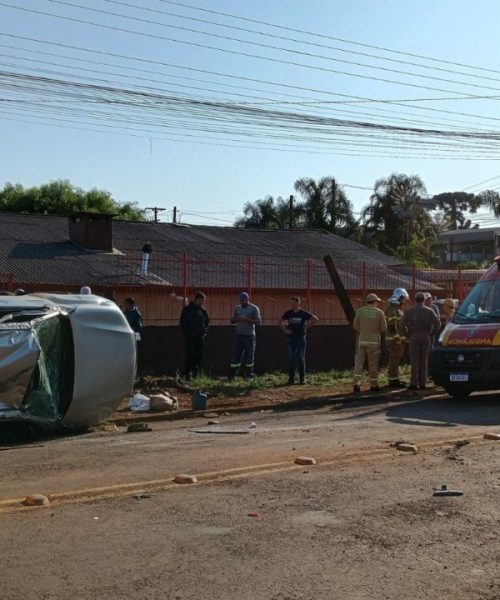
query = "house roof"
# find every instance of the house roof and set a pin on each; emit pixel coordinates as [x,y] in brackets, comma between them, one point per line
[477,234]
[37,249]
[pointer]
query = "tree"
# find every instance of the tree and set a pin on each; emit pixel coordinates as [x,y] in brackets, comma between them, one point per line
[455,205]
[266,213]
[491,199]
[326,206]
[62,198]
[395,215]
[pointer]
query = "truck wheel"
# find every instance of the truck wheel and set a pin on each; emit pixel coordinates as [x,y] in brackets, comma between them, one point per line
[458,391]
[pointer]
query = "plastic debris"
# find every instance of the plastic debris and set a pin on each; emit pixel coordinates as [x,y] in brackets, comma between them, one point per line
[444,491]
[139,403]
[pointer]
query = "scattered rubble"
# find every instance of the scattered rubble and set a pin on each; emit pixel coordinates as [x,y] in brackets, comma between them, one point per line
[183,478]
[36,500]
[305,460]
[444,491]
[138,427]
[404,446]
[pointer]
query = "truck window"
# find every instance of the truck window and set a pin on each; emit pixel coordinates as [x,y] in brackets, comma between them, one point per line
[481,305]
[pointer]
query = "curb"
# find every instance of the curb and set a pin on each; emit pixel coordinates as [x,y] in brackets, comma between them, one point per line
[298,404]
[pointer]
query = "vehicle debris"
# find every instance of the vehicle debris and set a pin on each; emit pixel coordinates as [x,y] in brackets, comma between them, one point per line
[138,427]
[444,491]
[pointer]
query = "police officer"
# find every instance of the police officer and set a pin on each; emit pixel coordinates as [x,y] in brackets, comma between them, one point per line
[393,338]
[419,324]
[370,324]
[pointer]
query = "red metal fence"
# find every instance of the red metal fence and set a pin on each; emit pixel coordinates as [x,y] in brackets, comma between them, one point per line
[169,281]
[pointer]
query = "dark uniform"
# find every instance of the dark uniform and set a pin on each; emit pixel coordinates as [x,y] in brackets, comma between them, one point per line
[394,341]
[194,324]
[419,324]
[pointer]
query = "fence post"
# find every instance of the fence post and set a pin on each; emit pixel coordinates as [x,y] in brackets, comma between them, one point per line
[10,283]
[414,281]
[309,282]
[365,282]
[249,274]
[185,263]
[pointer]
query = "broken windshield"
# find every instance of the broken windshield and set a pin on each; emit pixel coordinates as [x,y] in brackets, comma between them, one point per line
[482,305]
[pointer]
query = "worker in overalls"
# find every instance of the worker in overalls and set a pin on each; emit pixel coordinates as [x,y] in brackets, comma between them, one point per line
[394,339]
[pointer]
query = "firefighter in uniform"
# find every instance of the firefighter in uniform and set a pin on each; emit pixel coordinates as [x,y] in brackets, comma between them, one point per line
[394,339]
[370,324]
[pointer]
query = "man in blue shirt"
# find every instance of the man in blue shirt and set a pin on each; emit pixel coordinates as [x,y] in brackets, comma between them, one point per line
[246,316]
[295,323]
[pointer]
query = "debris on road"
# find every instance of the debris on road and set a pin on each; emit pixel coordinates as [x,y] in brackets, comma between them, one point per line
[36,500]
[461,443]
[183,478]
[213,422]
[138,427]
[407,448]
[164,403]
[142,496]
[444,491]
[254,514]
[221,431]
[139,403]
[252,425]
[492,436]
[305,460]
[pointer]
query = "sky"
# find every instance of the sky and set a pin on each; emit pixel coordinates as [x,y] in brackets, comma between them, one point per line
[211,176]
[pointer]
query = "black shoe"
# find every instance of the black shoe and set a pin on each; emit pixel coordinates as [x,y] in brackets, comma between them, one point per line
[376,389]
[412,387]
[356,389]
[302,382]
[396,383]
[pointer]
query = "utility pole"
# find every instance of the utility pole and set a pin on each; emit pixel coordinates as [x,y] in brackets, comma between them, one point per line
[290,213]
[174,220]
[333,207]
[155,210]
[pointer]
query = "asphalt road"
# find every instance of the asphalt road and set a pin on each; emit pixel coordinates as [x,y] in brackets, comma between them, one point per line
[361,524]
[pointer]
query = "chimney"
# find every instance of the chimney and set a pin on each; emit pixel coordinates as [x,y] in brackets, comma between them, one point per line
[93,231]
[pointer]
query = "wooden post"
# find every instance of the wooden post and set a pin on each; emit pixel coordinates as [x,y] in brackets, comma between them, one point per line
[342,294]
[185,272]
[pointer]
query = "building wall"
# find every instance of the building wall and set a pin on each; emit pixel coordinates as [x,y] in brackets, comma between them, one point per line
[161,350]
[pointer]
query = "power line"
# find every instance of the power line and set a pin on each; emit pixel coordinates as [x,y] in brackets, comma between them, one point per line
[273,47]
[226,50]
[329,37]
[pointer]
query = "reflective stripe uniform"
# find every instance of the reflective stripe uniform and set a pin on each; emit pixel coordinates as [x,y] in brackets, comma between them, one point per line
[394,340]
[370,323]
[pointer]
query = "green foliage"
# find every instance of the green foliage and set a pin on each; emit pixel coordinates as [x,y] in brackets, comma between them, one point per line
[454,206]
[324,206]
[62,198]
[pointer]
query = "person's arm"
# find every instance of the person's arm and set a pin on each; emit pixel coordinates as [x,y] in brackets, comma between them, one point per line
[206,320]
[235,318]
[311,320]
[355,323]
[283,323]
[256,317]
[436,326]
[404,326]
[383,323]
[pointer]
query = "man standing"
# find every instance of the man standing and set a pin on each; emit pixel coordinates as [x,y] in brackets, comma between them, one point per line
[194,324]
[295,323]
[393,338]
[428,302]
[370,324]
[419,324]
[133,316]
[246,316]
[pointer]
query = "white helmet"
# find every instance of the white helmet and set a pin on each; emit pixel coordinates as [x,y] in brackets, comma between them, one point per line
[400,294]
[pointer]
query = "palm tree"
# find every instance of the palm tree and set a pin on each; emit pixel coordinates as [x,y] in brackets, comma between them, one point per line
[395,214]
[326,205]
[491,199]
[267,213]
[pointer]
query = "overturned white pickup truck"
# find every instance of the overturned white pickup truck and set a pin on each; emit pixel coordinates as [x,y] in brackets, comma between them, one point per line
[65,360]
